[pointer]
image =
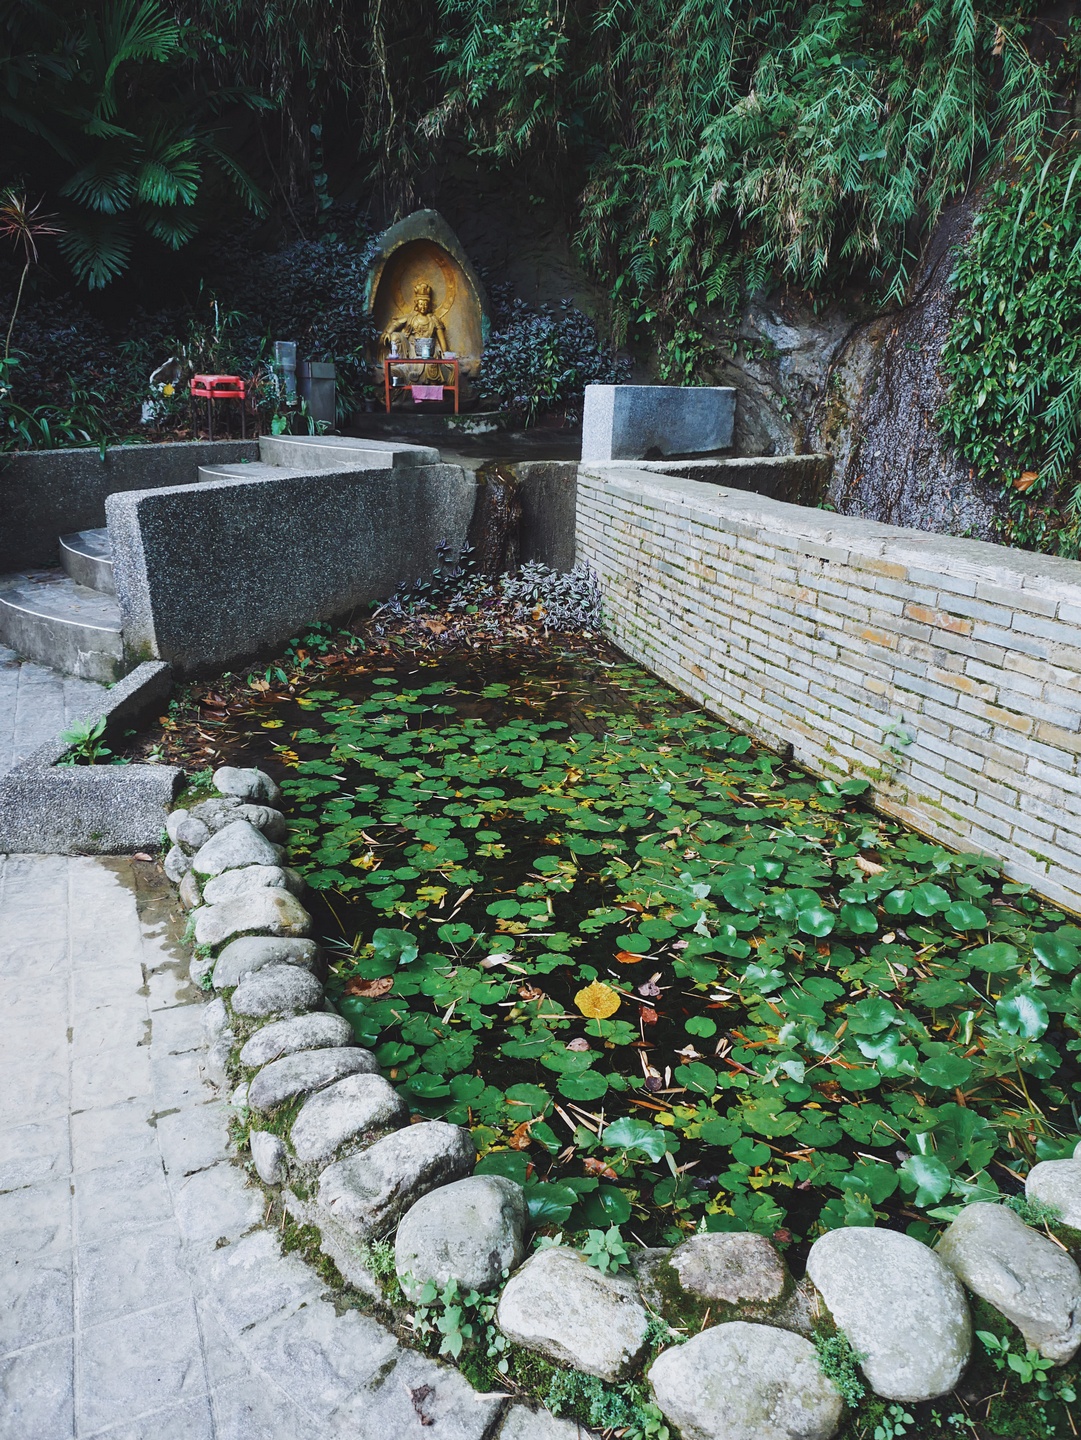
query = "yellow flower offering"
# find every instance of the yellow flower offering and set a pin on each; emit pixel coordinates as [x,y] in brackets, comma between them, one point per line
[597,1001]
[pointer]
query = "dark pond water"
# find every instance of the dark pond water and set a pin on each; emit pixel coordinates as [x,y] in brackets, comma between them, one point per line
[668,981]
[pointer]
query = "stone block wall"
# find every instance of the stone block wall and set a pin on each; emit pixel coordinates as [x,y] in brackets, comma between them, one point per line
[823,633]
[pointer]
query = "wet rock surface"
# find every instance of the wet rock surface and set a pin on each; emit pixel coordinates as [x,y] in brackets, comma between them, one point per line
[469,1231]
[899,1305]
[562,1307]
[741,1381]
[1022,1274]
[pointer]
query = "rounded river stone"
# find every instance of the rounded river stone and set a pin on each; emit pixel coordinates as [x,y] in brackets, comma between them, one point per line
[899,1305]
[304,1072]
[470,1231]
[268,1156]
[253,952]
[235,883]
[731,1267]
[1057,1183]
[249,785]
[561,1306]
[525,1424]
[1021,1273]
[176,864]
[317,1030]
[365,1194]
[268,912]
[358,1107]
[746,1382]
[277,990]
[234,846]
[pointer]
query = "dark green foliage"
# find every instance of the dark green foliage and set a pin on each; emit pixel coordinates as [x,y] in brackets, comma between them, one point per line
[1013,357]
[104,113]
[724,145]
[537,360]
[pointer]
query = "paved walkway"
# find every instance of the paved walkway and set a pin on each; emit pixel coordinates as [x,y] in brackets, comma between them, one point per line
[140,1299]
[36,703]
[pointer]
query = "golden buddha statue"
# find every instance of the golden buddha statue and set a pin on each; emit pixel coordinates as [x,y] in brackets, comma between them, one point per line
[420,324]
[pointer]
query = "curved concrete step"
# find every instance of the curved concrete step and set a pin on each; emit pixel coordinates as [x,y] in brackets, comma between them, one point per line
[342,452]
[87,557]
[46,616]
[239,470]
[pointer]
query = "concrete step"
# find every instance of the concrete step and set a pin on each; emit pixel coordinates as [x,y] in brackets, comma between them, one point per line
[341,452]
[240,470]
[46,616]
[87,557]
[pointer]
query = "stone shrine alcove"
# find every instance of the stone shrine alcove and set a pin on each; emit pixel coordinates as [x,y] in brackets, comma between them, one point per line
[422,250]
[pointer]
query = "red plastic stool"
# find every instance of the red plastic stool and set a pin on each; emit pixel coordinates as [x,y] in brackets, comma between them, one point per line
[220,387]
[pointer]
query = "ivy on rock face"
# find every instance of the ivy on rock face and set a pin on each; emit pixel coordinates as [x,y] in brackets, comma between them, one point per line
[820,1019]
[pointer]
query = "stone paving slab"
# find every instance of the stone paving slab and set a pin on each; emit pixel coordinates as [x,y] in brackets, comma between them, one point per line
[36,703]
[142,1299]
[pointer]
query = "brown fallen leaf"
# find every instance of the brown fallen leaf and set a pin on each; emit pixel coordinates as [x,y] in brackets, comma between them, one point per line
[598,1167]
[520,1138]
[1026,481]
[648,1015]
[579,1044]
[530,992]
[369,989]
[626,957]
[139,855]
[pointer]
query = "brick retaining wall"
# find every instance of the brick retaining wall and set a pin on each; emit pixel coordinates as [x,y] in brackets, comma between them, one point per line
[818,631]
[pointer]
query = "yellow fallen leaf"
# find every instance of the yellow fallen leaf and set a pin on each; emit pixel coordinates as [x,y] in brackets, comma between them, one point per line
[597,1001]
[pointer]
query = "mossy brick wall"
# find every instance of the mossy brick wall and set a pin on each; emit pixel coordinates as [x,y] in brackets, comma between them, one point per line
[821,632]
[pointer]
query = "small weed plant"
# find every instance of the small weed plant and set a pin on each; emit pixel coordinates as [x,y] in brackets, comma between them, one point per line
[838,1361]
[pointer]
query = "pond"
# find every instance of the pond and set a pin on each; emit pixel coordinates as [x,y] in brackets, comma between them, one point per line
[667,980]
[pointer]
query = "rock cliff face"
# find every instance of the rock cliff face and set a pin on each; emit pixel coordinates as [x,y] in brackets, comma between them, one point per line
[866,389]
[877,412]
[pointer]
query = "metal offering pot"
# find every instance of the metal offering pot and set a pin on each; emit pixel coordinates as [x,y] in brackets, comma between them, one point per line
[423,347]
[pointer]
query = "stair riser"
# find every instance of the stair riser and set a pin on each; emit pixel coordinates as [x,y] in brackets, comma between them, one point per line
[73,649]
[89,570]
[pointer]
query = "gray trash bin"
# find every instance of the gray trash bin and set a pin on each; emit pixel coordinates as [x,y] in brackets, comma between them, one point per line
[316,385]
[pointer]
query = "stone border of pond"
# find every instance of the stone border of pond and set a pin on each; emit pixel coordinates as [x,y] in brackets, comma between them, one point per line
[48,807]
[722,1332]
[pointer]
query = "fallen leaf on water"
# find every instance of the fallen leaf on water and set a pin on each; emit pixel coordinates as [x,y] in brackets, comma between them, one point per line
[869,867]
[520,1138]
[597,1001]
[650,989]
[530,992]
[689,1053]
[626,957]
[369,989]
[648,1015]
[579,1044]
[598,1167]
